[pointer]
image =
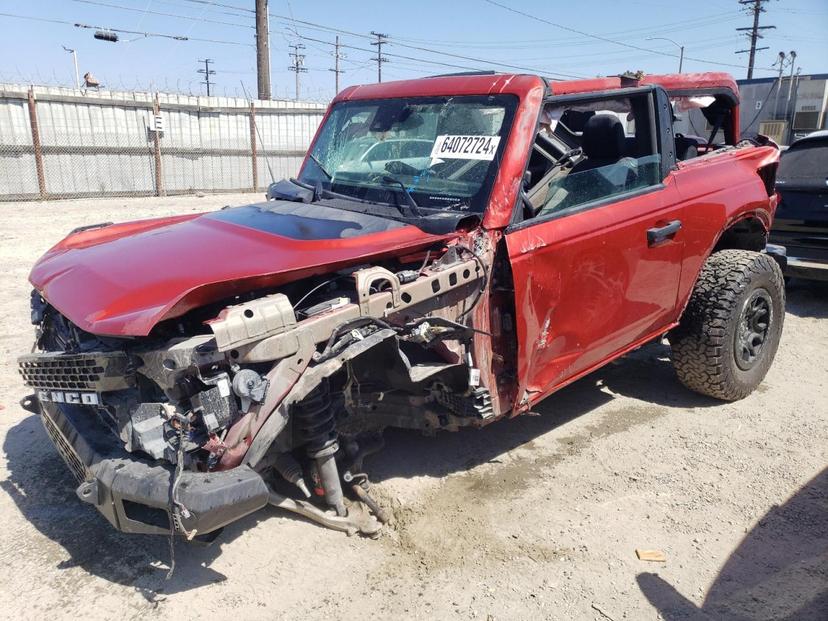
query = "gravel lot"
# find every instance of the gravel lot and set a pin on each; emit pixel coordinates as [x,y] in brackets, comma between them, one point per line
[537,517]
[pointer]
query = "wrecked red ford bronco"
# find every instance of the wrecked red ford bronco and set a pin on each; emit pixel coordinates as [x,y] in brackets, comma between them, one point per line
[453,250]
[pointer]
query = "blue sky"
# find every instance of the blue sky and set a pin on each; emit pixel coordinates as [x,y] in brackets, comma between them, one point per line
[430,33]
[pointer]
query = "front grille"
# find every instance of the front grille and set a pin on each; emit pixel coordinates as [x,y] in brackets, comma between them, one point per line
[65,450]
[93,372]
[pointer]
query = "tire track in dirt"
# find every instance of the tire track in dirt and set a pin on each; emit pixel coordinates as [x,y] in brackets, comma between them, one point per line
[456,524]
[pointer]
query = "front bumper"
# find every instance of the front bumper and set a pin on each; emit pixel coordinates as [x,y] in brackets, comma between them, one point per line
[134,494]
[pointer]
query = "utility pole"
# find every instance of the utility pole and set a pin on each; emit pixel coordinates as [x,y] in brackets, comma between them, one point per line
[75,61]
[297,63]
[336,69]
[207,73]
[381,38]
[756,7]
[263,49]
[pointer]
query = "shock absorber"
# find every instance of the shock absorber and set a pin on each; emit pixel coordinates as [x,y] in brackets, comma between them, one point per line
[316,426]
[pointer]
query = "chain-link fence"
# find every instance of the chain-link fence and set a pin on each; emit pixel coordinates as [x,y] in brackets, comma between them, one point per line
[62,143]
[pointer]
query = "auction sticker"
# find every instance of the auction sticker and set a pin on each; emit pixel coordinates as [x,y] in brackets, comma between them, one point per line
[465,147]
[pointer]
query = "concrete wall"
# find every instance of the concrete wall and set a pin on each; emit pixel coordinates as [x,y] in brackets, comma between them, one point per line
[102,144]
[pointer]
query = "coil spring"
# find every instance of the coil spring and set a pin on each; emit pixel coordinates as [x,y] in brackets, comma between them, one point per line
[314,416]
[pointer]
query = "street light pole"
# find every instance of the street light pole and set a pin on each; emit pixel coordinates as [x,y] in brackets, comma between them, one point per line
[680,47]
[792,56]
[75,61]
[781,60]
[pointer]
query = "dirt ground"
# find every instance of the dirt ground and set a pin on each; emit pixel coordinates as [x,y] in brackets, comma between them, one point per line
[534,518]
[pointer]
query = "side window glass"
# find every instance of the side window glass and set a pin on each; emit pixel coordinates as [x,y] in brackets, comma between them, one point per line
[612,152]
[595,184]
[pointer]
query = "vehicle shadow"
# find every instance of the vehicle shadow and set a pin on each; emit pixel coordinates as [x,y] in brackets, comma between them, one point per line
[43,490]
[645,375]
[779,571]
[807,298]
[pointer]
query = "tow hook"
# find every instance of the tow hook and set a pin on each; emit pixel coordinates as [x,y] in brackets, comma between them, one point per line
[88,492]
[30,404]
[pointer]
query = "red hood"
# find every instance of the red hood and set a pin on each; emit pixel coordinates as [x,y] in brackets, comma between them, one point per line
[123,279]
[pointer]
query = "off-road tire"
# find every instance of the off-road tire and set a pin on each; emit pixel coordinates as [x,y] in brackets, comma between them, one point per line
[733,289]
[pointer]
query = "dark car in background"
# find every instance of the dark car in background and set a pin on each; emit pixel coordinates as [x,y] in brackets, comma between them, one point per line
[801,224]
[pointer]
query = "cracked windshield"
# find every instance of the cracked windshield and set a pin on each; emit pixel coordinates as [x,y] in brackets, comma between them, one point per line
[442,151]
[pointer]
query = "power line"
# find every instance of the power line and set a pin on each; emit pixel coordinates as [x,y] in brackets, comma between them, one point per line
[180,38]
[392,41]
[219,4]
[388,41]
[606,39]
[684,25]
[315,26]
[658,28]
[477,63]
[411,58]
[121,30]
[398,41]
[163,14]
[320,27]
[204,8]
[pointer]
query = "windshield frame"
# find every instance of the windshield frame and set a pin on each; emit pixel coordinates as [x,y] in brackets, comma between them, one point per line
[392,194]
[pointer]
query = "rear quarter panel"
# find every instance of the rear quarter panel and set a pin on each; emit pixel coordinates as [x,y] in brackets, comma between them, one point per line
[719,190]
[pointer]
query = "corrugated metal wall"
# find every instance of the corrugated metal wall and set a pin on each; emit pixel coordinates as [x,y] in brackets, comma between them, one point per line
[103,144]
[18,175]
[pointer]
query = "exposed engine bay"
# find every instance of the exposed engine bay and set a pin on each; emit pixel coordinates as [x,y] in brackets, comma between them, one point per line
[297,383]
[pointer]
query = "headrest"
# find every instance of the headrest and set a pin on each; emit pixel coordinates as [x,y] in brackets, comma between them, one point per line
[603,137]
[688,146]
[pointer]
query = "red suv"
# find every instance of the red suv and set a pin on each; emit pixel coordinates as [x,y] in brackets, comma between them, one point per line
[453,250]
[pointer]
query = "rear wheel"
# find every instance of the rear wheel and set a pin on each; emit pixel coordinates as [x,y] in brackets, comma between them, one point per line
[730,330]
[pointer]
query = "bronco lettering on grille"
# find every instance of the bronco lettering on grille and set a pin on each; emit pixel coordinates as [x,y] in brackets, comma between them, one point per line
[76,398]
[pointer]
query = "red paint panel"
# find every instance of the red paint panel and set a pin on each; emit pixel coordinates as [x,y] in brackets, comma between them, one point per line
[521,85]
[124,279]
[718,190]
[457,85]
[588,284]
[700,82]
